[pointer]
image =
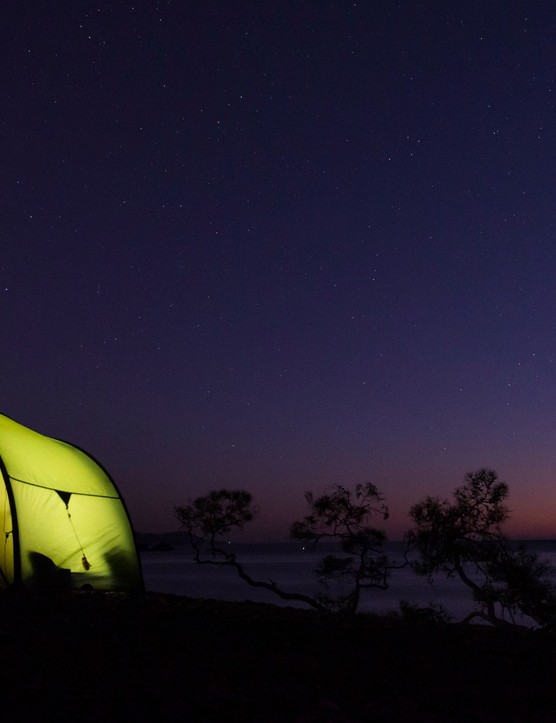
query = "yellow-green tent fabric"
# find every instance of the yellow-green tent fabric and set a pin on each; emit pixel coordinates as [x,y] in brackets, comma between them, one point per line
[63,522]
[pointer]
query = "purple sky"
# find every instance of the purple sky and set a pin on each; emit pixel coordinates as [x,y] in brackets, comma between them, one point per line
[281,245]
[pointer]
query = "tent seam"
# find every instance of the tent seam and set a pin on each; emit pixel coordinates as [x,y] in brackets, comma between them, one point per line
[55,489]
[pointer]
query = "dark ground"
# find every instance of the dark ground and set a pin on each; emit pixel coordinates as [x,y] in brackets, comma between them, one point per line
[110,657]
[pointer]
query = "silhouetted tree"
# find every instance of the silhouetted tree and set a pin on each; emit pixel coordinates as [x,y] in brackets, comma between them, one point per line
[208,518]
[339,515]
[464,538]
[343,515]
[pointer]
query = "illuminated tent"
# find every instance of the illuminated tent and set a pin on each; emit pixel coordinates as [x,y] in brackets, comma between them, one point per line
[63,522]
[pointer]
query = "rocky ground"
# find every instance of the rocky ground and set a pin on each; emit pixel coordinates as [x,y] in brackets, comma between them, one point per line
[111,657]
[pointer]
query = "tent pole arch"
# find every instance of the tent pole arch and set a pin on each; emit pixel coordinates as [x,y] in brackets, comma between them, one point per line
[15,528]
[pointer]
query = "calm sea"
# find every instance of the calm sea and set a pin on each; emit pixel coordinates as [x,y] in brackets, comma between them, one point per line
[292,568]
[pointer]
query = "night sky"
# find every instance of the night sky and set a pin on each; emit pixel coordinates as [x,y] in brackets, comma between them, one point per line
[281,245]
